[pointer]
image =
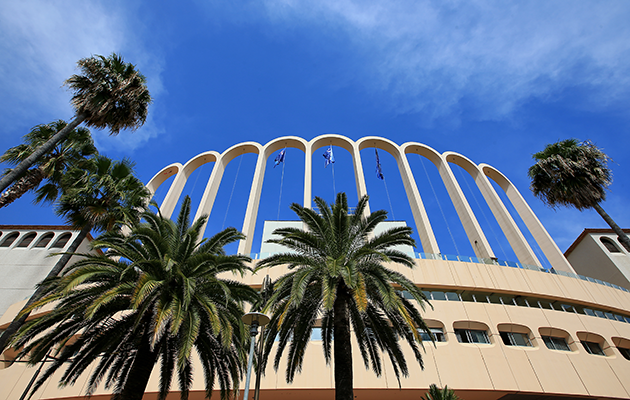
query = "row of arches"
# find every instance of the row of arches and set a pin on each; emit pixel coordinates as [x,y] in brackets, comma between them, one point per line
[28,240]
[481,175]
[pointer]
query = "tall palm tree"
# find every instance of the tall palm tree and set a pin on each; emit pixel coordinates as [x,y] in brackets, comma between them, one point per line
[435,393]
[101,196]
[574,174]
[109,94]
[153,296]
[338,274]
[52,166]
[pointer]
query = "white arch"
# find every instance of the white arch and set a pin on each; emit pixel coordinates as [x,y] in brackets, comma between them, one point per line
[538,231]
[477,239]
[352,148]
[515,237]
[427,238]
[249,223]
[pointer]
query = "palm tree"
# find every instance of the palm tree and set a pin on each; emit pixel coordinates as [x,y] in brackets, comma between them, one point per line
[109,94]
[338,274]
[102,195]
[574,174]
[51,166]
[436,393]
[152,296]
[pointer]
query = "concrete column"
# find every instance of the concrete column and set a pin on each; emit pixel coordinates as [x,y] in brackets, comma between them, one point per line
[249,223]
[358,175]
[473,230]
[308,175]
[515,237]
[538,231]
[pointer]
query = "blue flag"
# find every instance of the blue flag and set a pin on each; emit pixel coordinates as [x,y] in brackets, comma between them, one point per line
[279,158]
[379,171]
[328,155]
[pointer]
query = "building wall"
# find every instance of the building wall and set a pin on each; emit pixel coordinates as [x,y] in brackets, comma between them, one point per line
[21,268]
[475,371]
[590,257]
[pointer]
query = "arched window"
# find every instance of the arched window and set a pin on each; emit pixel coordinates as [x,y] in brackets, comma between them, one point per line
[61,242]
[9,239]
[44,240]
[27,239]
[610,245]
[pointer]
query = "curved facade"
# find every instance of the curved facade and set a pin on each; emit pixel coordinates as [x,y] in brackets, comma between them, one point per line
[511,331]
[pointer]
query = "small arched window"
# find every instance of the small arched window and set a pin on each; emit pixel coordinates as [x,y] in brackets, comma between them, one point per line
[610,245]
[44,240]
[62,241]
[9,239]
[27,239]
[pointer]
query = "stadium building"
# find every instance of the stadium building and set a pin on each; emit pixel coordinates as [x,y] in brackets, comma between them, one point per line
[505,329]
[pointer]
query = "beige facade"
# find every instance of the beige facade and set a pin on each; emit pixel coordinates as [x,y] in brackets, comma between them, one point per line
[513,331]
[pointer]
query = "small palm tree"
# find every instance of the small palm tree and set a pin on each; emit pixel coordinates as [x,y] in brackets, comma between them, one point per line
[52,166]
[109,94]
[153,296]
[102,195]
[339,275]
[574,174]
[436,393]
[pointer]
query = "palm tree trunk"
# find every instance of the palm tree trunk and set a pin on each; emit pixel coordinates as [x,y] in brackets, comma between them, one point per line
[622,236]
[342,346]
[43,149]
[19,320]
[32,179]
[140,372]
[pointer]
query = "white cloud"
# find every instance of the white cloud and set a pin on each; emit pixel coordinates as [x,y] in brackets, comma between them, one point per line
[40,43]
[434,55]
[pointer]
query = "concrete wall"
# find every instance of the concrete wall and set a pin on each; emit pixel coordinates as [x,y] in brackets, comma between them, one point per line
[591,258]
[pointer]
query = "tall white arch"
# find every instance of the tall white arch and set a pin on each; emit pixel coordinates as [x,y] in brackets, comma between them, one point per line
[427,238]
[538,231]
[515,237]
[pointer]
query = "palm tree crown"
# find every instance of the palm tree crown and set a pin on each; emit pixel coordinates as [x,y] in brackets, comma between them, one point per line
[152,296]
[574,174]
[110,93]
[570,173]
[435,393]
[338,275]
[52,166]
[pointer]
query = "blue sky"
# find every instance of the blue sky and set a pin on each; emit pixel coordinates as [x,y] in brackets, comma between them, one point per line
[494,81]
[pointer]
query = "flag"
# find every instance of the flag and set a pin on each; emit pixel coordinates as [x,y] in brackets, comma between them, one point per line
[279,158]
[379,171]
[328,155]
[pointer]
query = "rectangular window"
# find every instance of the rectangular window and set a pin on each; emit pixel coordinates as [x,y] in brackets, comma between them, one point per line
[471,336]
[593,348]
[438,334]
[515,339]
[556,343]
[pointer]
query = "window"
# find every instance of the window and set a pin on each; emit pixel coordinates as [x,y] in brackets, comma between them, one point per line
[9,239]
[624,352]
[26,240]
[61,242]
[515,339]
[592,348]
[438,334]
[44,240]
[556,343]
[471,336]
[609,245]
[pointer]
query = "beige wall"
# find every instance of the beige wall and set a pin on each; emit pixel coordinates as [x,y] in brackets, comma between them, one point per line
[475,371]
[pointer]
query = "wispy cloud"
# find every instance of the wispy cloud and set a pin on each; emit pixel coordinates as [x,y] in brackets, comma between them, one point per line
[40,43]
[435,56]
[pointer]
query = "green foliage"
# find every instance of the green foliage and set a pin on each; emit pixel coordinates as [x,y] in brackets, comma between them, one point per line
[570,173]
[151,296]
[110,93]
[337,263]
[436,393]
[103,194]
[50,168]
